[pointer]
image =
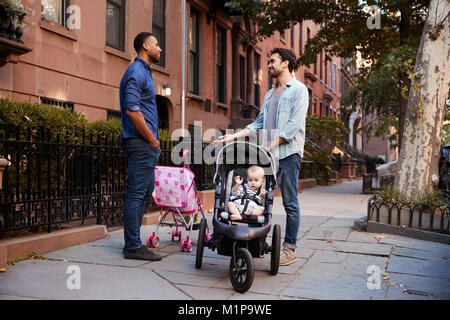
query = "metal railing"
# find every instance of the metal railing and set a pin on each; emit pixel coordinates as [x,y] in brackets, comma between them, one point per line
[56,179]
[431,217]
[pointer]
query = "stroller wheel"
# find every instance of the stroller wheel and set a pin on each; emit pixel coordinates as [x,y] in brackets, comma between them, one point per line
[242,273]
[155,242]
[189,246]
[276,246]
[151,241]
[182,245]
[200,246]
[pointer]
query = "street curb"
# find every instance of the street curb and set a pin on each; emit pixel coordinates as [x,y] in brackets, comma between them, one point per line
[377,227]
[18,248]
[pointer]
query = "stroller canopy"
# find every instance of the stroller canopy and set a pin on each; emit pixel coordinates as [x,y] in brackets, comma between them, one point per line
[240,153]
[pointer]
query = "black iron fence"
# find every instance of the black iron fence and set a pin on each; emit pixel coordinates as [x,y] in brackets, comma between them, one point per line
[430,217]
[57,179]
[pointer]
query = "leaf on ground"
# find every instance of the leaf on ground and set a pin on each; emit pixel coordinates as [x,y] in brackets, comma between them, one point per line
[379,237]
[2,269]
[329,241]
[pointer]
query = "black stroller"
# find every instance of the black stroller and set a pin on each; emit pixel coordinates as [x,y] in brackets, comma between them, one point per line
[245,239]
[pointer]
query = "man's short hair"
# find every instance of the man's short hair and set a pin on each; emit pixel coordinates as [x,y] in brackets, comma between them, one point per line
[286,55]
[140,40]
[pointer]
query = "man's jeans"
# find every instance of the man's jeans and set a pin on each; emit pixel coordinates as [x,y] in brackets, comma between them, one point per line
[289,191]
[142,159]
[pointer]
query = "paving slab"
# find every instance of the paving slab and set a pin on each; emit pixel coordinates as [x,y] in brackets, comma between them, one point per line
[219,280]
[332,286]
[344,263]
[323,233]
[95,255]
[395,293]
[422,254]
[205,293]
[346,246]
[31,278]
[439,288]
[428,268]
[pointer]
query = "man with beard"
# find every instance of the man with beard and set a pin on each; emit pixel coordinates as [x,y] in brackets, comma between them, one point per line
[283,121]
[140,143]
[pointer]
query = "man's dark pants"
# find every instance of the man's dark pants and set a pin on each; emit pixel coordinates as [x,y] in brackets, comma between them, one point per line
[142,159]
[289,191]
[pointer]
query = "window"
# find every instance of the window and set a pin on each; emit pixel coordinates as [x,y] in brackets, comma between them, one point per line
[321,65]
[334,78]
[338,75]
[269,77]
[57,103]
[330,72]
[159,27]
[112,114]
[55,10]
[194,67]
[310,96]
[308,35]
[300,50]
[115,24]
[315,66]
[321,109]
[195,131]
[325,63]
[242,77]
[221,39]
[292,34]
[256,86]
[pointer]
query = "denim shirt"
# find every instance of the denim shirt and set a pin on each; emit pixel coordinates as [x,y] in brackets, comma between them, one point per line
[137,93]
[291,118]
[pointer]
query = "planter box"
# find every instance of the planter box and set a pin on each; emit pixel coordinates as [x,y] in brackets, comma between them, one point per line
[413,216]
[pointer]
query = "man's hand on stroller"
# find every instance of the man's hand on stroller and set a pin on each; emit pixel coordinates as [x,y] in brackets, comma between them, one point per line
[225,138]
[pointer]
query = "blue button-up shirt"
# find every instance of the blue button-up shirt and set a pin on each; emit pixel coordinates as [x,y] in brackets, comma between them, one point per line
[291,118]
[137,93]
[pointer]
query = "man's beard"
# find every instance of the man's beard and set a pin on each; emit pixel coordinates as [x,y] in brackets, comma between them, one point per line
[274,74]
[153,59]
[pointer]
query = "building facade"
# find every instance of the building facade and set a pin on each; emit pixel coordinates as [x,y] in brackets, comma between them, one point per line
[81,49]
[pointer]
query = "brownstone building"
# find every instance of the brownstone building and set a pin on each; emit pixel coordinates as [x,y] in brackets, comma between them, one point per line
[80,50]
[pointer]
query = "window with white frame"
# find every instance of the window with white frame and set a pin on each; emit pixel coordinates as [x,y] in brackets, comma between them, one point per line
[55,11]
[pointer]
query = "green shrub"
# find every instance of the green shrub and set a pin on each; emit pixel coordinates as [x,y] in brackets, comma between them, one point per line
[325,128]
[435,197]
[111,127]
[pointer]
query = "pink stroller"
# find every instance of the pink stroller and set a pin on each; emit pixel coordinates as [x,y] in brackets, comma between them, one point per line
[176,194]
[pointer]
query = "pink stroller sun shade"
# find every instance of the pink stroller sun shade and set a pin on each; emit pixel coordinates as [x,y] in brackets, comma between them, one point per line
[174,188]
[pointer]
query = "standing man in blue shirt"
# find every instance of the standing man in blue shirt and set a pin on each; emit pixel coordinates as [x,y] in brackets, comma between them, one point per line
[283,120]
[140,142]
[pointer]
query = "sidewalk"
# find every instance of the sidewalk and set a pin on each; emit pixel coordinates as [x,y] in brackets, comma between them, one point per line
[333,263]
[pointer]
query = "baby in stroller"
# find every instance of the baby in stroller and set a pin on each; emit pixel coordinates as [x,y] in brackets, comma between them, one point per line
[247,199]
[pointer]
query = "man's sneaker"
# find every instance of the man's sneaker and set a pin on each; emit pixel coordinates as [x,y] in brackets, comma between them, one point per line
[287,257]
[141,254]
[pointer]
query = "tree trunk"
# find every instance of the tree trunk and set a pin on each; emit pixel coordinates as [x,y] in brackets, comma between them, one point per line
[404,32]
[419,156]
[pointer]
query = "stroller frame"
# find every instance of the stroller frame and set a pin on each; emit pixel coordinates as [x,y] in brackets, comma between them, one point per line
[178,220]
[241,243]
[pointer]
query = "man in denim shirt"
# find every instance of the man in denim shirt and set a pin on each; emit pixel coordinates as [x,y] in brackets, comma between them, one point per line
[283,120]
[139,138]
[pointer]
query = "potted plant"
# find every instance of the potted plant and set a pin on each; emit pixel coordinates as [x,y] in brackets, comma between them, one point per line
[12,14]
